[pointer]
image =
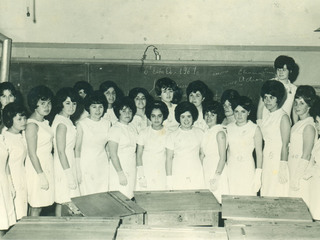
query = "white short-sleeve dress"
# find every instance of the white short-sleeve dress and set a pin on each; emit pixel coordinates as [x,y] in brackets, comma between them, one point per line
[139,123]
[126,138]
[94,162]
[17,149]
[38,197]
[187,172]
[170,123]
[240,163]
[201,123]
[210,149]
[7,211]
[153,157]
[63,193]
[110,116]
[314,190]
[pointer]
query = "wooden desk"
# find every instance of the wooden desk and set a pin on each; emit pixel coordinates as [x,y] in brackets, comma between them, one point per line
[251,208]
[140,232]
[190,207]
[63,228]
[108,204]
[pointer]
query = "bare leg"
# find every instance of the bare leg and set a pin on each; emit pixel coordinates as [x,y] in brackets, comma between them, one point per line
[2,233]
[58,210]
[35,211]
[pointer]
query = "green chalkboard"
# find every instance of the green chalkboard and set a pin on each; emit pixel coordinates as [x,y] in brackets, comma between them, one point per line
[247,79]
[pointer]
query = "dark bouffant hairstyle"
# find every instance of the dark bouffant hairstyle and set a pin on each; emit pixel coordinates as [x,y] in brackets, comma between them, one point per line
[186,107]
[157,105]
[125,102]
[37,93]
[110,84]
[133,93]
[10,111]
[274,88]
[9,86]
[216,108]
[96,97]
[200,86]
[244,102]
[62,95]
[87,88]
[168,83]
[307,93]
[229,95]
[315,109]
[293,68]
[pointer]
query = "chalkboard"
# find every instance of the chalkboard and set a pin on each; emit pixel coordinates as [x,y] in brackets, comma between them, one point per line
[246,79]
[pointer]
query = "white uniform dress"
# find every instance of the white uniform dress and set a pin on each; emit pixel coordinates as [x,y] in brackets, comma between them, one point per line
[295,153]
[170,123]
[139,123]
[63,193]
[187,171]
[94,162]
[153,157]
[7,213]
[38,197]
[210,149]
[270,128]
[17,149]
[240,164]
[110,116]
[314,193]
[126,137]
[201,123]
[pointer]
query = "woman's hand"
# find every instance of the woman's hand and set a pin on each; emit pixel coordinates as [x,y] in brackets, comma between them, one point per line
[122,178]
[43,181]
[71,181]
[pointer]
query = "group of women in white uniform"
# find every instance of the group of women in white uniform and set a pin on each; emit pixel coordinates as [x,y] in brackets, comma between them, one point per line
[137,143]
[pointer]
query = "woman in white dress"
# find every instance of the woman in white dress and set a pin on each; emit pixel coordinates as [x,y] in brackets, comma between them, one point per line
[302,138]
[170,94]
[7,192]
[314,188]
[275,130]
[244,137]
[15,120]
[112,93]
[214,150]
[183,163]
[142,99]
[122,148]
[66,185]
[90,151]
[151,150]
[226,99]
[39,161]
[286,73]
[198,93]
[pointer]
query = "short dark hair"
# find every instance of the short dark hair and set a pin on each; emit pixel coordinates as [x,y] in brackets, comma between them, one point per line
[37,93]
[200,86]
[242,101]
[229,95]
[124,102]
[168,83]
[157,105]
[87,88]
[9,86]
[216,108]
[315,109]
[10,111]
[96,97]
[275,89]
[293,68]
[186,107]
[133,93]
[62,95]
[306,92]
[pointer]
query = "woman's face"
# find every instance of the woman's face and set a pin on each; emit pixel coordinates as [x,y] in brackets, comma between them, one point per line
[300,106]
[166,95]
[69,107]
[19,123]
[96,111]
[241,115]
[270,102]
[6,98]
[196,98]
[125,115]
[282,73]
[210,118]
[140,101]
[317,123]
[227,109]
[186,120]
[156,118]
[110,95]
[82,93]
[44,107]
